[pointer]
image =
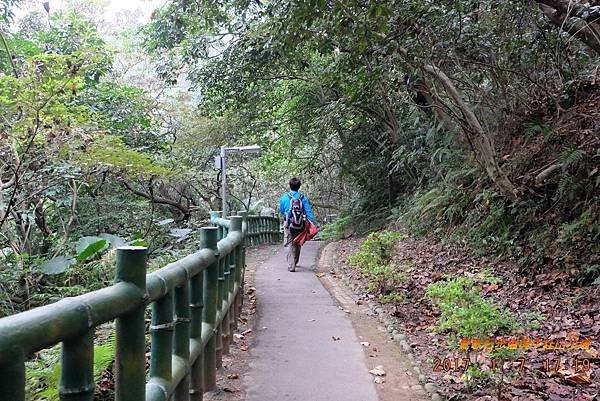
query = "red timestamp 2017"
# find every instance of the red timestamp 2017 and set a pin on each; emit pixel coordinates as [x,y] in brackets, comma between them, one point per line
[548,365]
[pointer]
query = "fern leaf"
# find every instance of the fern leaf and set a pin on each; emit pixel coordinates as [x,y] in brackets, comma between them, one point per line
[570,156]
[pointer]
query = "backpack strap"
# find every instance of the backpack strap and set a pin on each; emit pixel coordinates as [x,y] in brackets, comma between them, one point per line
[289,194]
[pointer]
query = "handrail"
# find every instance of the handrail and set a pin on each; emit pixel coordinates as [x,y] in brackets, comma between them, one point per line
[193,319]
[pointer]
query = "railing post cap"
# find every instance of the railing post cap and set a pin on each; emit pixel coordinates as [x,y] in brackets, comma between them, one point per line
[132,248]
[236,223]
[131,265]
[208,238]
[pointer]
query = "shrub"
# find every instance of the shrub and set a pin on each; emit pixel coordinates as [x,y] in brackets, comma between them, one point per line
[465,312]
[374,258]
[335,230]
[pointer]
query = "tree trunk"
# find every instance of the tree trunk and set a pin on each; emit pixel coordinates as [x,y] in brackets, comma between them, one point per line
[587,29]
[479,139]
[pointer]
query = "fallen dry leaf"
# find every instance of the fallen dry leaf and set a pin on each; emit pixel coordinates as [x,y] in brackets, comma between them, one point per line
[233,376]
[246,332]
[365,343]
[359,302]
[377,371]
[562,373]
[244,346]
[336,338]
[379,380]
[578,378]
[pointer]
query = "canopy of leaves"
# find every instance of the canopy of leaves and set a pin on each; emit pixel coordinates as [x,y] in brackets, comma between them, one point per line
[385,100]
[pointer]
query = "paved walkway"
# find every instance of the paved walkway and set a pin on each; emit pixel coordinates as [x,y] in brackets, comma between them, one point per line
[295,356]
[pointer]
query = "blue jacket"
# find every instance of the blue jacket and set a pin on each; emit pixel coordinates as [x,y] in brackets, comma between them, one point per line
[285,205]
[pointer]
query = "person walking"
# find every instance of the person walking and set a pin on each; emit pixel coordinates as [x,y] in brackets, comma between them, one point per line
[296,209]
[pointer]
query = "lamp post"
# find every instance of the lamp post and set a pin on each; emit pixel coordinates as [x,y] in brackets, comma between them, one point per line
[220,162]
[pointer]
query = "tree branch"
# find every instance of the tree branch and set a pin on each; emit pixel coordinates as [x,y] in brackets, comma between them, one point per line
[585,34]
[186,212]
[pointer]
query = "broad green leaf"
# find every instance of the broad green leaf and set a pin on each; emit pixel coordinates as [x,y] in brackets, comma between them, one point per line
[57,265]
[84,242]
[180,233]
[114,241]
[90,246]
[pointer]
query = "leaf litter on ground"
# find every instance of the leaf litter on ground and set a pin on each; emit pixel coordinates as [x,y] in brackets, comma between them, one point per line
[567,310]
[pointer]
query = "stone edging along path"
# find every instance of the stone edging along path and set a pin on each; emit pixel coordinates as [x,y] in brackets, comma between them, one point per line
[339,285]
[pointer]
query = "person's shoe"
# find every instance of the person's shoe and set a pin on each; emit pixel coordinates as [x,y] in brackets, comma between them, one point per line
[291,269]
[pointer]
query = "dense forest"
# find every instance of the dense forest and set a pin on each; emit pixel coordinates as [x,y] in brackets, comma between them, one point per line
[475,118]
[468,122]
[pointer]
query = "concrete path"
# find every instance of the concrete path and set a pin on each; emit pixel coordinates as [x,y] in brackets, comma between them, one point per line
[295,356]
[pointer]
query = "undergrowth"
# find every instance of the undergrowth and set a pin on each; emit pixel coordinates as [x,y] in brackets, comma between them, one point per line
[375,259]
[464,313]
[43,372]
[558,232]
[467,314]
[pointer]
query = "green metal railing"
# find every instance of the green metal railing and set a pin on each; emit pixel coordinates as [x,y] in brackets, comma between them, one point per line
[196,302]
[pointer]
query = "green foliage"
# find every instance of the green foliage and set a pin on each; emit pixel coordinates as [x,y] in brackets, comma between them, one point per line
[343,95]
[375,261]
[6,9]
[112,152]
[537,127]
[475,376]
[43,376]
[376,249]
[124,112]
[57,265]
[336,229]
[73,35]
[486,222]
[88,247]
[570,156]
[464,312]
[104,356]
[43,373]
[383,278]
[393,297]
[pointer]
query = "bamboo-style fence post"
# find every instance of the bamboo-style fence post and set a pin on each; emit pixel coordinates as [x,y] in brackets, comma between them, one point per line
[130,378]
[196,304]
[209,313]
